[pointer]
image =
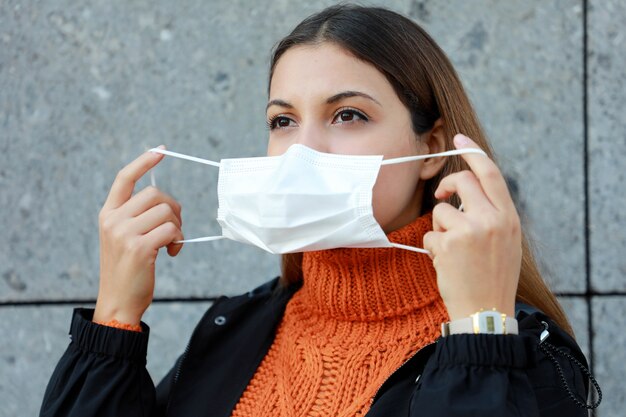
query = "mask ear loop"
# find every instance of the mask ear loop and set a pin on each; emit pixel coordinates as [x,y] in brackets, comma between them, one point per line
[417,158]
[384,162]
[200,239]
[194,159]
[411,248]
[187,157]
[432,155]
[152,177]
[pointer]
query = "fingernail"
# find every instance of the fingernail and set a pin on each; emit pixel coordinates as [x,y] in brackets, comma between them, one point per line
[158,147]
[461,140]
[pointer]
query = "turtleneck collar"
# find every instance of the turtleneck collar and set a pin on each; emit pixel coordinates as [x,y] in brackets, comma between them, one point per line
[369,284]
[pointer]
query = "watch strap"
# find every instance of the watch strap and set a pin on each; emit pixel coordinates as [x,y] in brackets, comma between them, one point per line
[486,322]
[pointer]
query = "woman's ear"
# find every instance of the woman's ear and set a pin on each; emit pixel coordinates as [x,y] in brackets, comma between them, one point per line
[435,139]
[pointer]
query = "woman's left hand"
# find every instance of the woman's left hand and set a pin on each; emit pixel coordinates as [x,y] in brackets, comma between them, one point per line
[476,252]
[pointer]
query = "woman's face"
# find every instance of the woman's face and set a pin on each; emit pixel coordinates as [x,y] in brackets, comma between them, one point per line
[323,97]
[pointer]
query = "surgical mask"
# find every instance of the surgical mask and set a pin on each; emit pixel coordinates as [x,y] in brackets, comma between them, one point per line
[302,200]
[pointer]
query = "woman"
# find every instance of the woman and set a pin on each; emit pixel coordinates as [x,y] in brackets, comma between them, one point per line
[345,331]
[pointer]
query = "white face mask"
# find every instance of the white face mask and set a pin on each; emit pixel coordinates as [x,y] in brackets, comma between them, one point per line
[302,200]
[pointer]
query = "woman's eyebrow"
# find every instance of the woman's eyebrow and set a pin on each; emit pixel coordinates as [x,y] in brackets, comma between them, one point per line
[350,93]
[278,102]
[333,99]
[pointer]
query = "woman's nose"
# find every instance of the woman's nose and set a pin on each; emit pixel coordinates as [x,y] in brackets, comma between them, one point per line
[313,137]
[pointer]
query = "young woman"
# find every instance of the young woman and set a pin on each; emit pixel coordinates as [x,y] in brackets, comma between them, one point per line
[346,330]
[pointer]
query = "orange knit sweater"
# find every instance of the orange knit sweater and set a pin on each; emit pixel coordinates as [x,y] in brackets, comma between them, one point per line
[359,315]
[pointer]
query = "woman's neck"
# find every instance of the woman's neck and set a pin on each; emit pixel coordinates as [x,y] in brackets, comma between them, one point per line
[372,283]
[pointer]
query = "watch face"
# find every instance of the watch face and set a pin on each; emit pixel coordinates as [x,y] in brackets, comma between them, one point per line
[491,326]
[488,322]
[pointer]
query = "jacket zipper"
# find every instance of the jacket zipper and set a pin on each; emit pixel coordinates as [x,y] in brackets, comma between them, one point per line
[176,375]
[397,369]
[180,364]
[182,359]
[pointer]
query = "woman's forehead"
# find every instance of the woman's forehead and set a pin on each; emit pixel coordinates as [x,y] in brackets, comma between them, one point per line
[324,70]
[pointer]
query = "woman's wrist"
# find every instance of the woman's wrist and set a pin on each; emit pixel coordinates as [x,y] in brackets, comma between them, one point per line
[119,325]
[457,310]
[482,322]
[103,314]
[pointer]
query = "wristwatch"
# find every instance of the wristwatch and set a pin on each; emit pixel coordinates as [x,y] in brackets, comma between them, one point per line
[489,322]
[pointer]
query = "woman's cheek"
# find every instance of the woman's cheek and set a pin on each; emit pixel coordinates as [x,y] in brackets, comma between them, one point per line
[395,202]
[381,210]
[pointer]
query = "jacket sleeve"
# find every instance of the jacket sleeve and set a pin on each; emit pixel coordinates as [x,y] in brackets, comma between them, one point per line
[497,375]
[102,373]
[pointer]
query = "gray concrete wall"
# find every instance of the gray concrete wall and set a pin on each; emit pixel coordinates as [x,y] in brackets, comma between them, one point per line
[87,86]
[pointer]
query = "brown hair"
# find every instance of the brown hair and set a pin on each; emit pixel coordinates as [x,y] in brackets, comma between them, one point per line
[426,82]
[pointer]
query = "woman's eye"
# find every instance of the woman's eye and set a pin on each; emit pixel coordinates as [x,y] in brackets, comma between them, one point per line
[279,122]
[348,116]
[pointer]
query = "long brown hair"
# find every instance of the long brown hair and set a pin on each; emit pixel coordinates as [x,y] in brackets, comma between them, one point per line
[426,82]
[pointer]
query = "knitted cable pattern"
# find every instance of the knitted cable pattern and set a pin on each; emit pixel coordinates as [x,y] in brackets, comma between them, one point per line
[359,315]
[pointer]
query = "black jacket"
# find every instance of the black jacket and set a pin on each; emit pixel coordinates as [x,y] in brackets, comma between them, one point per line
[103,373]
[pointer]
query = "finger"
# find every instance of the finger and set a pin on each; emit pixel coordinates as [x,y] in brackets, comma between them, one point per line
[122,188]
[487,172]
[174,248]
[148,198]
[466,185]
[163,235]
[446,217]
[431,242]
[151,219]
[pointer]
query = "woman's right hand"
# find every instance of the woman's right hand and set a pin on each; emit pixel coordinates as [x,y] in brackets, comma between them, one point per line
[132,229]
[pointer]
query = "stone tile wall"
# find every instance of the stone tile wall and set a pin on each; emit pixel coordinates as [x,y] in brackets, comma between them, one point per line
[85,87]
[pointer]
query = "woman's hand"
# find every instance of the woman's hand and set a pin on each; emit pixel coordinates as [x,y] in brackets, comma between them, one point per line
[476,252]
[132,229]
